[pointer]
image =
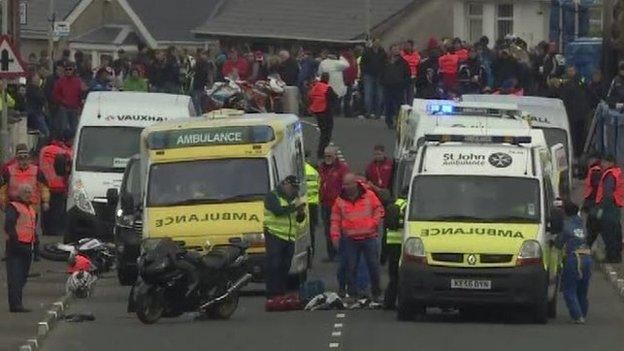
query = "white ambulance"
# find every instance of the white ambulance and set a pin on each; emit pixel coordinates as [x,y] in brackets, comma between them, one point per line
[543,113]
[478,224]
[108,135]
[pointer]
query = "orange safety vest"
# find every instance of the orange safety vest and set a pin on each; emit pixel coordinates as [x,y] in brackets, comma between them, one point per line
[26,222]
[18,177]
[413,61]
[318,97]
[357,218]
[462,54]
[589,189]
[448,63]
[618,194]
[47,157]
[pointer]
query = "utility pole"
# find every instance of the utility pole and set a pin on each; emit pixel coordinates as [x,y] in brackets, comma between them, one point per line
[4,126]
[367,18]
[51,19]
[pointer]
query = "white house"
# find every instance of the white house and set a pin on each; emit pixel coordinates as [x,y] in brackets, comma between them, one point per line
[527,19]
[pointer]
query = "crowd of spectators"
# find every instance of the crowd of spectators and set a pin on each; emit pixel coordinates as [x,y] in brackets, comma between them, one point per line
[369,80]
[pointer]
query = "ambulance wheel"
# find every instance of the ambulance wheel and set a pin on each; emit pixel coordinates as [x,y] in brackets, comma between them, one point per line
[540,311]
[552,304]
[126,275]
[408,310]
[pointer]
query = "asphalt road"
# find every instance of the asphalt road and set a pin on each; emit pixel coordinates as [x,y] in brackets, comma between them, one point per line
[253,329]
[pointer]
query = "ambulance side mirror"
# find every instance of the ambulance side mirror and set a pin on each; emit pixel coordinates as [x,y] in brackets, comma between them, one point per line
[112,197]
[127,203]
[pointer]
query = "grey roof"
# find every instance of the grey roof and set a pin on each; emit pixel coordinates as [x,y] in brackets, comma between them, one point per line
[109,34]
[314,20]
[37,16]
[173,20]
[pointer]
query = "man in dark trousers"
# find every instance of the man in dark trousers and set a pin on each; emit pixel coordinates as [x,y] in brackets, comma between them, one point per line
[283,209]
[19,225]
[395,79]
[592,180]
[610,200]
[321,98]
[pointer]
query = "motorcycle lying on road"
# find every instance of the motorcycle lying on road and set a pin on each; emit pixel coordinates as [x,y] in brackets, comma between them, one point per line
[173,280]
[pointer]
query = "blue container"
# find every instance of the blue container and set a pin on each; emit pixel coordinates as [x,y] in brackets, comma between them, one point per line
[585,54]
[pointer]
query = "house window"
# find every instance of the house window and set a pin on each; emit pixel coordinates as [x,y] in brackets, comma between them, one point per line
[475,21]
[595,21]
[504,20]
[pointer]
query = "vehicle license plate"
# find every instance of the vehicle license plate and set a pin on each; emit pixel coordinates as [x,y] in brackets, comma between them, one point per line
[471,284]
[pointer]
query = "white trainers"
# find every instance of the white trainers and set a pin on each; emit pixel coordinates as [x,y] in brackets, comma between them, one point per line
[579,321]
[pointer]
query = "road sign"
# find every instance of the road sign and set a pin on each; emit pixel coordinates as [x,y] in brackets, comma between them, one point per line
[11,64]
[61,29]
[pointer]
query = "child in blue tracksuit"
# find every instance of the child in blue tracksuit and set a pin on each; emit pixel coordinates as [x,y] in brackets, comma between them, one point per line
[577,263]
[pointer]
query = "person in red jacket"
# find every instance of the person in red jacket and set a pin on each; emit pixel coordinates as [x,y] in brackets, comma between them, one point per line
[379,170]
[235,67]
[321,99]
[448,66]
[331,173]
[460,50]
[67,94]
[356,215]
[412,57]
[592,181]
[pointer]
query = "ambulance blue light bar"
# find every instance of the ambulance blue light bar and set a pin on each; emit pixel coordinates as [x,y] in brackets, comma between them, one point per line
[478,139]
[449,109]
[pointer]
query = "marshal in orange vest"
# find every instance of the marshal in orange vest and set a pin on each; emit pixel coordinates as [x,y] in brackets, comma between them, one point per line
[318,97]
[618,194]
[589,189]
[47,157]
[26,222]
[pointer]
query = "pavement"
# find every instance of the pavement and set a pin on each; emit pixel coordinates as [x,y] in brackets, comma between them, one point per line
[250,328]
[45,286]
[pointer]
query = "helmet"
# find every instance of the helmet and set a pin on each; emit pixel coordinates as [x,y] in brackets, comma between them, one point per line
[80,284]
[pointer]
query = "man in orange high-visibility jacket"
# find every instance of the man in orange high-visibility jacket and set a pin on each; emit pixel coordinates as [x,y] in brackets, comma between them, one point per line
[20,173]
[53,220]
[610,199]
[356,216]
[19,226]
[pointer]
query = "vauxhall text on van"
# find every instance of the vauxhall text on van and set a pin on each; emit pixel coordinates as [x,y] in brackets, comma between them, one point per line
[108,135]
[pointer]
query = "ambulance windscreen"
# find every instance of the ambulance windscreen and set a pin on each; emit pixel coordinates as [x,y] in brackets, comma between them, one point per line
[450,198]
[208,181]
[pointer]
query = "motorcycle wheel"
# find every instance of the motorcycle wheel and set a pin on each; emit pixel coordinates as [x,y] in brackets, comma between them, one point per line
[52,252]
[225,309]
[149,307]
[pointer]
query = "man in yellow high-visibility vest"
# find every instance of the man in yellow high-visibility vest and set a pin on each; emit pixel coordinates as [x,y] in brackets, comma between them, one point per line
[312,183]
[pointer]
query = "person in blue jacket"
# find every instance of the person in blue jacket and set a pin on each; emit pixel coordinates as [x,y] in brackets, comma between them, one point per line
[577,263]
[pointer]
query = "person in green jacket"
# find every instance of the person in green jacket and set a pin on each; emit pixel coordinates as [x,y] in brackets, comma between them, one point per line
[135,82]
[312,183]
[395,214]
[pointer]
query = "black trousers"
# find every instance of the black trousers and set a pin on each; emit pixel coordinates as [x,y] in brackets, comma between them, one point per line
[17,268]
[53,220]
[325,123]
[314,217]
[279,255]
[593,226]
[394,255]
[326,216]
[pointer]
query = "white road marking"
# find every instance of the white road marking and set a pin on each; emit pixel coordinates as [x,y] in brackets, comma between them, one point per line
[337,333]
[340,315]
[334,345]
[337,325]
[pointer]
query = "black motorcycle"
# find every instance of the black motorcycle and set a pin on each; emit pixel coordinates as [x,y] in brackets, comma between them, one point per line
[173,280]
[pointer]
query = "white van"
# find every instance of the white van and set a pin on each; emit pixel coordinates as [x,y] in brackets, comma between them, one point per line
[109,134]
[546,114]
[424,115]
